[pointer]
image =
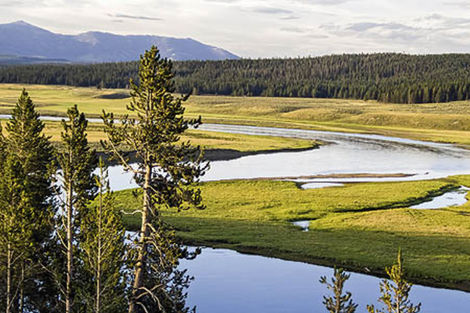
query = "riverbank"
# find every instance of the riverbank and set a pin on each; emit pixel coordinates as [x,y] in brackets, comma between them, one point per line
[217,146]
[356,226]
[437,122]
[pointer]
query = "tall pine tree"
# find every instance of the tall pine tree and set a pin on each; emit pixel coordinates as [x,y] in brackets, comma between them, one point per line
[103,252]
[77,163]
[26,205]
[166,171]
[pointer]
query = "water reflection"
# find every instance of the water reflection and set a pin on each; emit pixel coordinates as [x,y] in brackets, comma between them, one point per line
[230,282]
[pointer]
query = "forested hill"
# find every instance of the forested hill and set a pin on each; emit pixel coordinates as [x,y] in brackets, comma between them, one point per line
[385,77]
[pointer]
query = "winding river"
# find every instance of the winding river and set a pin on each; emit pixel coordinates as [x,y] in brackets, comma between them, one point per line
[230,282]
[344,153]
[227,281]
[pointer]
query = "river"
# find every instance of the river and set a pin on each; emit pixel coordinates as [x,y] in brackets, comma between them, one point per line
[227,281]
[343,154]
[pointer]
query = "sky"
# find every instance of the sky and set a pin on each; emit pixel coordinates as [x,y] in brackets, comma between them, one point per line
[262,28]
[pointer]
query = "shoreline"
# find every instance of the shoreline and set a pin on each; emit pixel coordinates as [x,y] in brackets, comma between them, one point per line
[463,286]
[222,154]
[330,176]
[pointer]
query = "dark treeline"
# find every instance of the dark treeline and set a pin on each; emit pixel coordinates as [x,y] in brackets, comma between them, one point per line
[386,77]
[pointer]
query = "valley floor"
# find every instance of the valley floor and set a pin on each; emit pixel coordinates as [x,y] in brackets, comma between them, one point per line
[357,226]
[439,122]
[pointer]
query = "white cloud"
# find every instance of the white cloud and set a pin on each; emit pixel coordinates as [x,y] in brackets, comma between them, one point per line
[270,10]
[135,17]
[323,2]
[461,4]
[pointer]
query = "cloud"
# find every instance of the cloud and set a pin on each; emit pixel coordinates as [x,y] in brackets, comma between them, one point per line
[365,26]
[290,18]
[323,2]
[222,1]
[374,31]
[446,22]
[135,17]
[310,32]
[461,4]
[271,10]
[12,3]
[433,33]
[294,30]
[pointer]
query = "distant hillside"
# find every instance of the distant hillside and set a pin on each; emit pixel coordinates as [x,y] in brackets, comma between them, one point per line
[386,77]
[25,40]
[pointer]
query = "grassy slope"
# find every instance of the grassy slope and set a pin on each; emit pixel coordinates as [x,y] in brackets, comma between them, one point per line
[209,140]
[443,122]
[353,225]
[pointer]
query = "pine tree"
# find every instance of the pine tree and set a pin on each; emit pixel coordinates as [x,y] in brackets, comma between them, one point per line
[165,171]
[14,238]
[340,303]
[395,294]
[77,163]
[103,252]
[25,204]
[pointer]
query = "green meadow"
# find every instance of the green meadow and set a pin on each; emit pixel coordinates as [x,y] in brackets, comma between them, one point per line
[357,226]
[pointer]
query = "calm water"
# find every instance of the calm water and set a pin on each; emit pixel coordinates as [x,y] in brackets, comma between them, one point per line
[230,282]
[347,154]
[304,225]
[451,198]
[319,185]
[227,281]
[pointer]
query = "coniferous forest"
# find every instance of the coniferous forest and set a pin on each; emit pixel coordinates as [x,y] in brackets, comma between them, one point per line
[386,77]
[63,246]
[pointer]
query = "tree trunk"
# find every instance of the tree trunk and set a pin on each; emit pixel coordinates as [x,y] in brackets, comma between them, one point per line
[144,233]
[98,265]
[68,286]
[9,269]
[98,287]
[21,309]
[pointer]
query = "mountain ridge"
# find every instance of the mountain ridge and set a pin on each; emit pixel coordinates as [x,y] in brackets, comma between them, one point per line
[22,39]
